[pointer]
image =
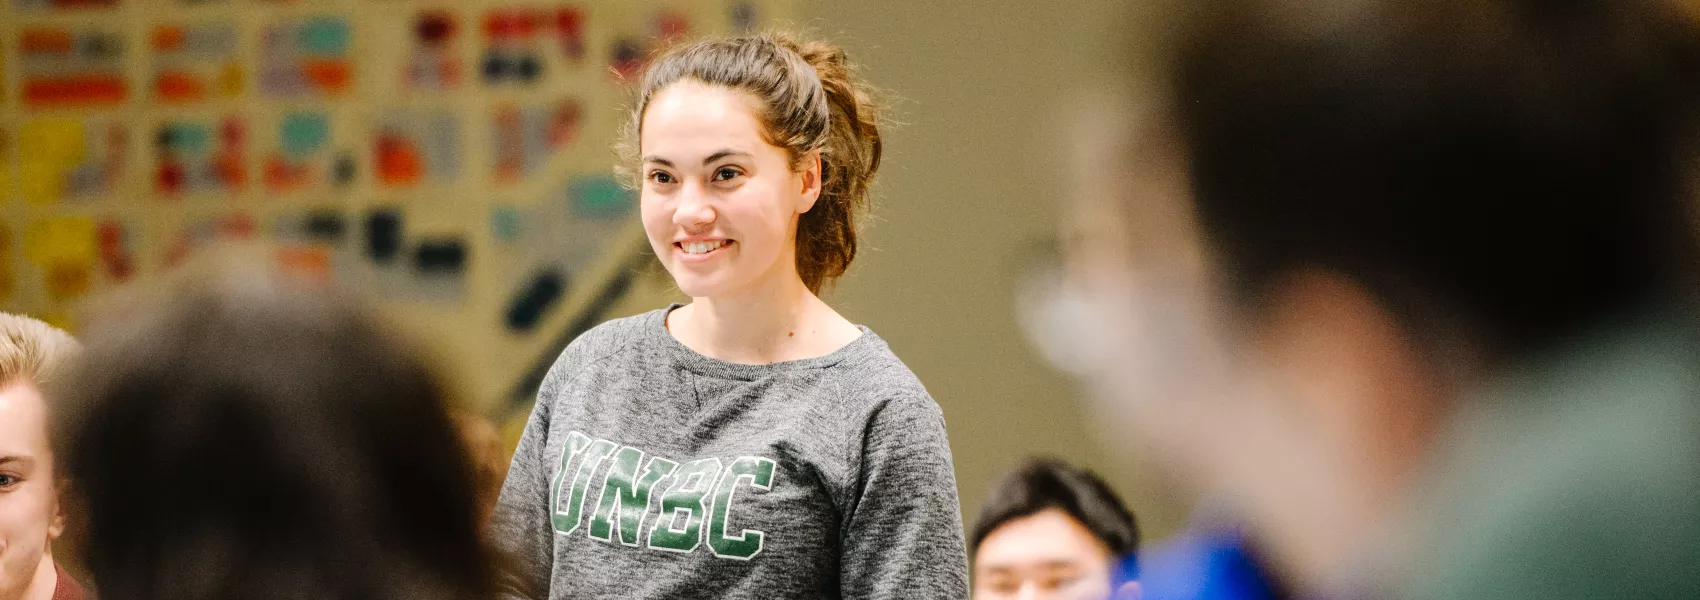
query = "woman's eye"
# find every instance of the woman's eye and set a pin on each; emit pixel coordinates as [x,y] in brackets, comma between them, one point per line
[660,177]
[726,174]
[7,481]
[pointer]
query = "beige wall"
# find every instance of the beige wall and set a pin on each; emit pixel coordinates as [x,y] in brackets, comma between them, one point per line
[974,171]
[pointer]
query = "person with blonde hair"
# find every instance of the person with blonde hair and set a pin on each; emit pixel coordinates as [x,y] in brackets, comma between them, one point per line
[32,355]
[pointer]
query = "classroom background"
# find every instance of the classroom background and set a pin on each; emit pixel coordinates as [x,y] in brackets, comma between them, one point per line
[453,160]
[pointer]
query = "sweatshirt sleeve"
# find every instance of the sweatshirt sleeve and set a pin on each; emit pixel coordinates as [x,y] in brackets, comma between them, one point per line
[520,532]
[903,531]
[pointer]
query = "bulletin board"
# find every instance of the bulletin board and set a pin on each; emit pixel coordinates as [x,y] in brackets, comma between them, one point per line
[452,158]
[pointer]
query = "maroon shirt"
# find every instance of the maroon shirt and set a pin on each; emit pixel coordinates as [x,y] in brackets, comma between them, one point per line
[67,588]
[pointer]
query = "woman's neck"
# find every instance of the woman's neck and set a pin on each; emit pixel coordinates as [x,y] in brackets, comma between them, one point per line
[44,582]
[762,325]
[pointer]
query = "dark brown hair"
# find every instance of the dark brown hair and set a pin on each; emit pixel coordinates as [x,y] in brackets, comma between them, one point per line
[237,436]
[1517,166]
[811,99]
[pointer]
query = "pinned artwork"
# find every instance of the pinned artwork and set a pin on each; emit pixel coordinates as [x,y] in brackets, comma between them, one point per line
[545,247]
[631,52]
[594,206]
[8,277]
[60,5]
[115,242]
[511,55]
[430,267]
[72,67]
[301,156]
[569,34]
[506,224]
[435,64]
[535,300]
[5,166]
[201,232]
[314,263]
[195,157]
[435,271]
[69,158]
[326,226]
[526,136]
[306,58]
[64,249]
[417,147]
[599,198]
[309,243]
[743,18]
[628,56]
[193,63]
[383,235]
[443,255]
[670,26]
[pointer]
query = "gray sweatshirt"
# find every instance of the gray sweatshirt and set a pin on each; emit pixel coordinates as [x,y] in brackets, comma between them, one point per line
[650,471]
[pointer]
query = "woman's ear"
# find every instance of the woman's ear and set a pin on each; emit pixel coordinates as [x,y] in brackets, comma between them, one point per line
[810,181]
[61,494]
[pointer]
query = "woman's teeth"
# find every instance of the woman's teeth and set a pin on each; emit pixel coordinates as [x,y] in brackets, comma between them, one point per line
[701,247]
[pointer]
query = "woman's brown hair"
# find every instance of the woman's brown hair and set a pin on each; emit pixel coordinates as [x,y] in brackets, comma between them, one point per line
[811,99]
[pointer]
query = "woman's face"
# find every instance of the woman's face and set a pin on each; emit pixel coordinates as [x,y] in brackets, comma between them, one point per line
[720,204]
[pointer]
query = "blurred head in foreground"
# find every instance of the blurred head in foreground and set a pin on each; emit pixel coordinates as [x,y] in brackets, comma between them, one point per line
[33,356]
[1050,530]
[1351,226]
[237,436]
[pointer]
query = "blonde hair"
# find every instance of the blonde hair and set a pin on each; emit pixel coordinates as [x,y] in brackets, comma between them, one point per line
[32,350]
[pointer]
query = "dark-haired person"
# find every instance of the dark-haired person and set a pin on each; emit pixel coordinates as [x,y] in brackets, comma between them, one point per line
[752,443]
[1407,288]
[33,356]
[1051,530]
[235,436]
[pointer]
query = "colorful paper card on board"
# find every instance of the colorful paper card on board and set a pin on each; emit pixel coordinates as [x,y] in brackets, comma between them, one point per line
[300,155]
[307,58]
[71,66]
[8,273]
[507,224]
[743,17]
[435,63]
[65,249]
[569,33]
[200,157]
[5,166]
[116,244]
[527,135]
[670,26]
[513,46]
[194,63]
[598,198]
[62,5]
[326,226]
[310,242]
[190,237]
[67,158]
[414,148]
[630,52]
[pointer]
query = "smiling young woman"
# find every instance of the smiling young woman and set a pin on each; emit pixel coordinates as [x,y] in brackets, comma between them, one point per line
[751,443]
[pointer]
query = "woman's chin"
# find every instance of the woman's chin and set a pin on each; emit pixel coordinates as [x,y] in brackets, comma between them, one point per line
[697,286]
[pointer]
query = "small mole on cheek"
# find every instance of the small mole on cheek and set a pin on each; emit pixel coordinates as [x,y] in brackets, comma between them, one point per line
[790,333]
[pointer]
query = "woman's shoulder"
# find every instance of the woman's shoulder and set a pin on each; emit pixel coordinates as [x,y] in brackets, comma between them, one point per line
[873,377]
[604,341]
